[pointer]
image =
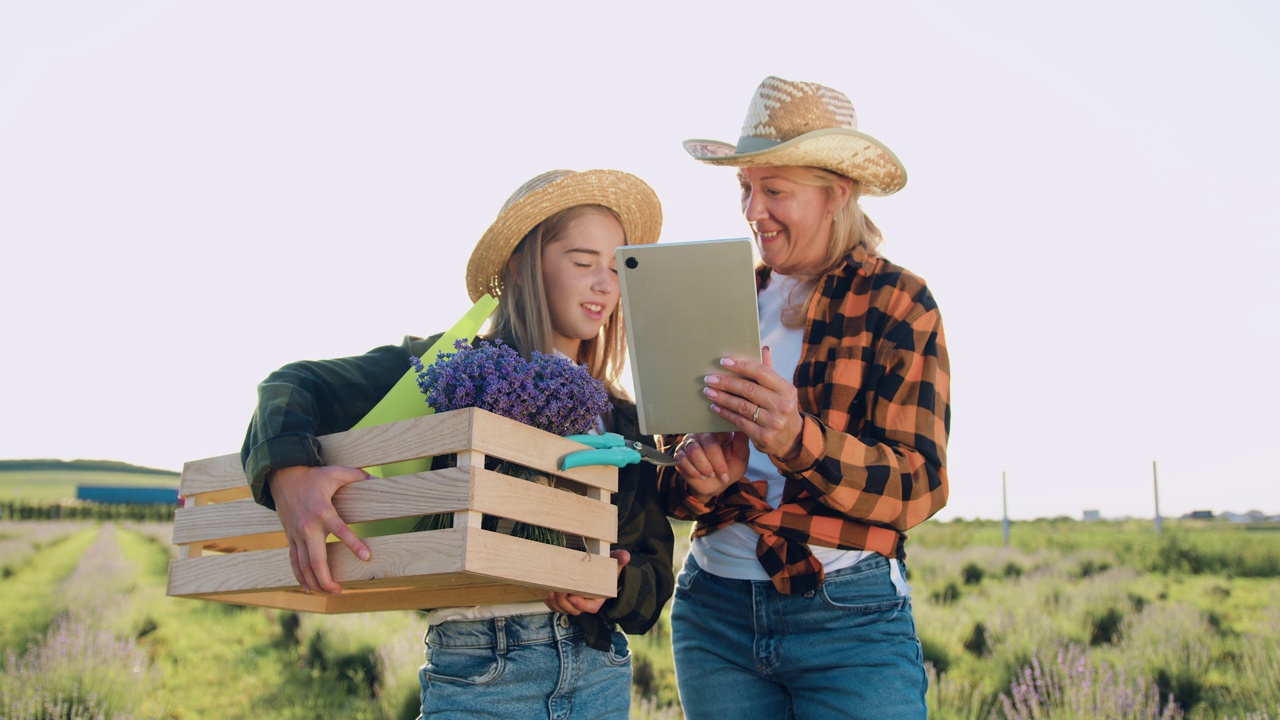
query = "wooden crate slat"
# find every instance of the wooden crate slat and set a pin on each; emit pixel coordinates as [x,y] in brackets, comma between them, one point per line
[528,502]
[280,599]
[373,600]
[224,472]
[519,443]
[223,520]
[456,431]
[427,493]
[243,543]
[546,566]
[375,499]
[438,434]
[260,569]
[393,555]
[399,561]
[454,587]
[431,598]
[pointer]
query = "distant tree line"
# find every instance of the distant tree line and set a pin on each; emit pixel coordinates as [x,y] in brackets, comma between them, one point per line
[80,510]
[79,465]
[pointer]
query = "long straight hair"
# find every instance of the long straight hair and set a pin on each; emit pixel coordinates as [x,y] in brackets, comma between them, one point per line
[850,226]
[523,317]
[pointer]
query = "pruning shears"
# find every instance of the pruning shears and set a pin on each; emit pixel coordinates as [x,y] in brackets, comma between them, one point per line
[612,449]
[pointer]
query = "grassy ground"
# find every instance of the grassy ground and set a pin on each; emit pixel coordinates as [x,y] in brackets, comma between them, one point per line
[93,602]
[1059,621]
[28,614]
[1106,609]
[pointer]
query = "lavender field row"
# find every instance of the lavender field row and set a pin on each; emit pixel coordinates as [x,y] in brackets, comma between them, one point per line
[1067,622]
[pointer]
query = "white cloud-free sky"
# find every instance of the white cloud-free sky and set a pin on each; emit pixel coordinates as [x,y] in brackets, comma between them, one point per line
[192,194]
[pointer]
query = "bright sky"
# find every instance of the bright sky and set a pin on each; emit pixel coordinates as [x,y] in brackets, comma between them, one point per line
[192,194]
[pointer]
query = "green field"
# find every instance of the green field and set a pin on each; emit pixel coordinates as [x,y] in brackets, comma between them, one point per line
[1069,616]
[1071,620]
[52,480]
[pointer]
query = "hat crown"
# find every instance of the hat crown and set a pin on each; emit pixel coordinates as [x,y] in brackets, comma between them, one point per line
[629,197]
[533,184]
[782,110]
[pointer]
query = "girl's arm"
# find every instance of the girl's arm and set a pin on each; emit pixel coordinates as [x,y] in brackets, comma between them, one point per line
[282,454]
[304,400]
[647,581]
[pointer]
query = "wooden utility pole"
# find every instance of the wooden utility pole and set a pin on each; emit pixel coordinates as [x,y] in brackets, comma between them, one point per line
[1155,479]
[1004,491]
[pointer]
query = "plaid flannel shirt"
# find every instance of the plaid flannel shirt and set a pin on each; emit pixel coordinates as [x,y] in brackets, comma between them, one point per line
[874,393]
[304,400]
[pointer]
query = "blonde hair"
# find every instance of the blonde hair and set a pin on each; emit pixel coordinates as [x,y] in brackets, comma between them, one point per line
[523,317]
[850,227]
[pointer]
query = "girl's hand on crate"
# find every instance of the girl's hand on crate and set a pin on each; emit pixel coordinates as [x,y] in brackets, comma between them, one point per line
[304,502]
[570,604]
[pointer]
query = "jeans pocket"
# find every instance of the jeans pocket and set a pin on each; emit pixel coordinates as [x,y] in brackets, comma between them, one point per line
[867,593]
[619,650]
[687,577]
[464,666]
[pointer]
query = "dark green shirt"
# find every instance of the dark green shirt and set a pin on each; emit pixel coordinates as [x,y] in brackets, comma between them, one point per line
[304,400]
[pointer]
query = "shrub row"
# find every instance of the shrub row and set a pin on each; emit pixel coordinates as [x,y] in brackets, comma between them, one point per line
[84,510]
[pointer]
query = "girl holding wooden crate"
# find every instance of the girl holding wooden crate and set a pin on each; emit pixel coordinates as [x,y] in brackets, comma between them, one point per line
[548,258]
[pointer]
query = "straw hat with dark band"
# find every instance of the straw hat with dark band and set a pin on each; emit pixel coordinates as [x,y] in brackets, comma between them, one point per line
[806,124]
[549,193]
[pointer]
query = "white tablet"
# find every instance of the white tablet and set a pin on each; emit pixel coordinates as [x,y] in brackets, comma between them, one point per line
[686,305]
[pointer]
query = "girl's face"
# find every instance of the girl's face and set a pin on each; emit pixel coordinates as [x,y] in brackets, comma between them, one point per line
[791,220]
[581,279]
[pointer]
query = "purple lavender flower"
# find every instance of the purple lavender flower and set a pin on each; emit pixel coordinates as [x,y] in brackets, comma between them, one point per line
[545,391]
[1074,687]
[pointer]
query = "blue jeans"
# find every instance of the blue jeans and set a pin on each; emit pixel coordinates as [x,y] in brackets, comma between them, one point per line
[523,666]
[849,650]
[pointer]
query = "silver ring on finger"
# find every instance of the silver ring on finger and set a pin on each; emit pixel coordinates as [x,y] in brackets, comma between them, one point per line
[756,415]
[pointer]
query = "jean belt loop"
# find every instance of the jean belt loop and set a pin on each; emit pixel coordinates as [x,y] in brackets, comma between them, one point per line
[500,634]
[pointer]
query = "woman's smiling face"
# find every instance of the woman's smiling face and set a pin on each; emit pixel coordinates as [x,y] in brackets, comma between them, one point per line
[791,220]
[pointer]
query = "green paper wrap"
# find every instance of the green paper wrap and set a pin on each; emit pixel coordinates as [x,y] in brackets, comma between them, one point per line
[405,401]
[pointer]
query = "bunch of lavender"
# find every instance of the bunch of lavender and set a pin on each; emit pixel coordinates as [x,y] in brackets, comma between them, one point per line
[545,391]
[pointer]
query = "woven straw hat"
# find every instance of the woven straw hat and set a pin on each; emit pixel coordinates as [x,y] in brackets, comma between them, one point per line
[806,124]
[547,194]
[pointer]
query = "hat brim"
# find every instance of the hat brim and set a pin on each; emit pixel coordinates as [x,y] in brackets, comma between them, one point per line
[630,197]
[846,152]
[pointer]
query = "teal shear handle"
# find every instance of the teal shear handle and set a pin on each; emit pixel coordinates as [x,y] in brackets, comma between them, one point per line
[611,449]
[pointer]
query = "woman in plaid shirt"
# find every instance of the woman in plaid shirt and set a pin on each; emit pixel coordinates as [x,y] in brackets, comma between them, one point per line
[793,600]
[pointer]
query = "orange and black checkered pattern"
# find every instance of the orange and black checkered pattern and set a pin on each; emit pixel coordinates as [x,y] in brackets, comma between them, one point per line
[874,386]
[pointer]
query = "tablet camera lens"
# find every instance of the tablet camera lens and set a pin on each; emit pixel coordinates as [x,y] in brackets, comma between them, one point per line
[632,263]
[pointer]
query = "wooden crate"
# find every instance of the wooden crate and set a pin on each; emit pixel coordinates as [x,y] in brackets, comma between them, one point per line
[230,549]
